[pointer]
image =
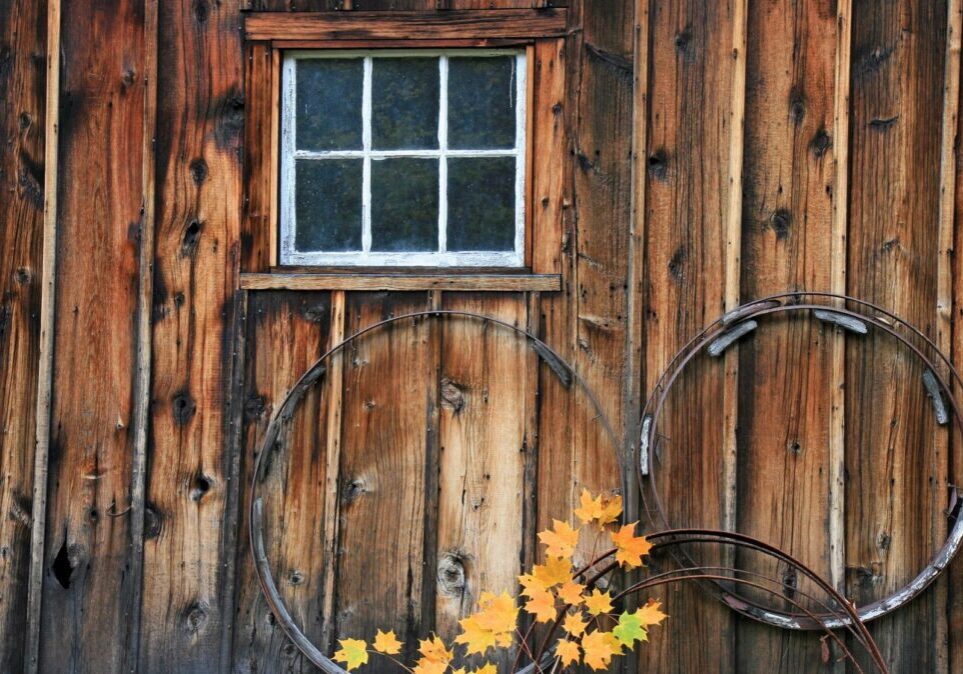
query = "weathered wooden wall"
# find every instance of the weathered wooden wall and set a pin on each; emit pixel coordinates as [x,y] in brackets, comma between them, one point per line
[707,154]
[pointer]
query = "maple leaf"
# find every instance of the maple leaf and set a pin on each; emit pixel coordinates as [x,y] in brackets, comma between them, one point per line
[598,602]
[492,624]
[562,541]
[434,650]
[488,668]
[631,548]
[353,653]
[555,571]
[571,592]
[387,643]
[574,625]
[430,667]
[651,613]
[630,629]
[530,584]
[542,606]
[568,652]
[599,648]
[600,509]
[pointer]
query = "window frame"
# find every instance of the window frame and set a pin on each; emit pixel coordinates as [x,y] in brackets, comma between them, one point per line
[289,256]
[542,32]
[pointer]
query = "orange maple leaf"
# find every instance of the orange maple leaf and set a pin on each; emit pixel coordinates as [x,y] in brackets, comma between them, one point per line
[598,602]
[601,509]
[562,541]
[555,571]
[571,592]
[387,643]
[651,613]
[631,548]
[568,652]
[493,624]
[574,625]
[599,648]
[542,606]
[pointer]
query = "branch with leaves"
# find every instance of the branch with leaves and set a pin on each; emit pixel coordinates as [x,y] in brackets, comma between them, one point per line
[567,599]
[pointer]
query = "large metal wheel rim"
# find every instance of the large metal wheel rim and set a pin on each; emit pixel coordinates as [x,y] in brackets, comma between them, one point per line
[286,409]
[776,304]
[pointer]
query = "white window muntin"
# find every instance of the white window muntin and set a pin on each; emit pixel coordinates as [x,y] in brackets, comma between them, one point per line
[366,257]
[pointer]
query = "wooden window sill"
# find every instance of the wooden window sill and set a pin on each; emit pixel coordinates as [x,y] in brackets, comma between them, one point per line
[464,282]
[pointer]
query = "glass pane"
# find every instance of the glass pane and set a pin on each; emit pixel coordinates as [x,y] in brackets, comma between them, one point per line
[404,103]
[481,102]
[329,104]
[404,205]
[328,204]
[481,203]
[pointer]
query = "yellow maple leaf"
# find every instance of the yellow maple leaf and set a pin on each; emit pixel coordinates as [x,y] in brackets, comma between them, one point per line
[488,668]
[434,650]
[542,606]
[574,625]
[530,584]
[387,643]
[630,548]
[602,509]
[493,624]
[599,648]
[568,652]
[571,592]
[598,602]
[555,571]
[353,653]
[425,666]
[651,613]
[562,541]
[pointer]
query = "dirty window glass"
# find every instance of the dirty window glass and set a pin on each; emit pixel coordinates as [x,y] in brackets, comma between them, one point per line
[405,158]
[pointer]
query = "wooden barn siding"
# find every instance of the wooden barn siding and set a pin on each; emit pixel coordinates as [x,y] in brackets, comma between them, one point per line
[830,165]
[23,64]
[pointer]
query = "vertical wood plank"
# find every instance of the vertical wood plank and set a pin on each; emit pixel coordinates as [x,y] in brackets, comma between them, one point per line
[46,340]
[895,463]
[23,35]
[88,551]
[260,150]
[286,333]
[199,127]
[692,75]
[785,370]
[602,188]
[484,425]
[384,469]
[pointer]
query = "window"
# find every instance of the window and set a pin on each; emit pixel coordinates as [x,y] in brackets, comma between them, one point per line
[403,158]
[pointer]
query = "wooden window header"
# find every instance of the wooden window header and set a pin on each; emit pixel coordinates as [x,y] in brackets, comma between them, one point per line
[488,24]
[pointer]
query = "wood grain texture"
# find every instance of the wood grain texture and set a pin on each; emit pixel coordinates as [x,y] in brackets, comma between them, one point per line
[384,470]
[199,127]
[403,282]
[88,552]
[260,145]
[687,201]
[785,369]
[896,466]
[485,424]
[454,24]
[23,33]
[388,5]
[286,333]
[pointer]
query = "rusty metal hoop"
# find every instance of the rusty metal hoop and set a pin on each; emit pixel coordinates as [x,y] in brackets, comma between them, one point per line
[285,411]
[734,325]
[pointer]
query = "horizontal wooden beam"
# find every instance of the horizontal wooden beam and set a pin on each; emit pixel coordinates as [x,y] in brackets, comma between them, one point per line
[472,282]
[402,25]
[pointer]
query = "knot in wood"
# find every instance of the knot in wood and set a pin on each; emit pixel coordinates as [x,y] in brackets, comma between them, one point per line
[451,573]
[452,396]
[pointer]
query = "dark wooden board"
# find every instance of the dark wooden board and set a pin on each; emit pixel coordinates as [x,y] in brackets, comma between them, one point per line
[198,141]
[22,126]
[785,439]
[88,544]
[896,469]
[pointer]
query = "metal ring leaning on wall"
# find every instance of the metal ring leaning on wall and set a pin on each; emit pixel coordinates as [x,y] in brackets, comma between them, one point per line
[285,411]
[738,323]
